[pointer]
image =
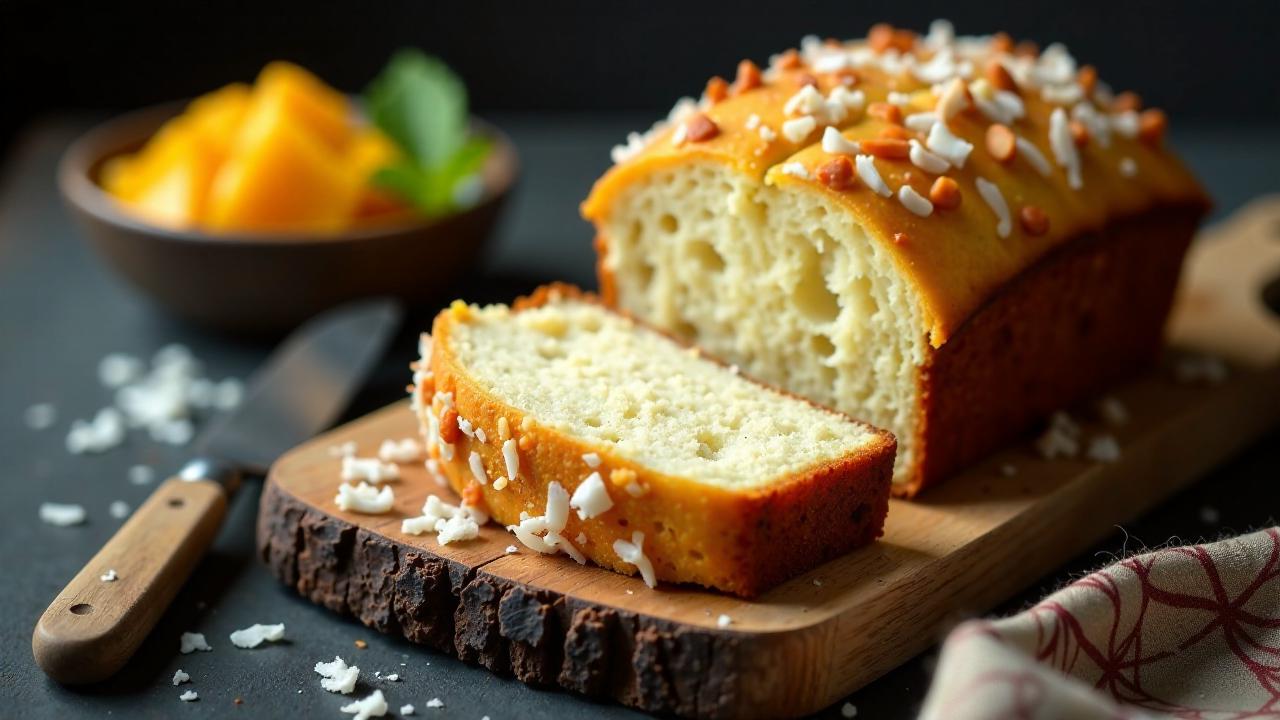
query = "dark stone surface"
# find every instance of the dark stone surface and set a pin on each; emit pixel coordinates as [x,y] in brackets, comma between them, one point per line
[61,310]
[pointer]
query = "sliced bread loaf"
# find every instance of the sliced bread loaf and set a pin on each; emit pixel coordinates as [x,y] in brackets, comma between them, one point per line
[589,434]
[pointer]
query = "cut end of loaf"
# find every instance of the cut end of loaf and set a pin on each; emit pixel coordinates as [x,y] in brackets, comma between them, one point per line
[733,485]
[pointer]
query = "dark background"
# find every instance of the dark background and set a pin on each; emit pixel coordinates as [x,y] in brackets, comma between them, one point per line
[1200,60]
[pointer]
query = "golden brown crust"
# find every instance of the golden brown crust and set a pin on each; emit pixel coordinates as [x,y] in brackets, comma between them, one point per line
[741,542]
[952,279]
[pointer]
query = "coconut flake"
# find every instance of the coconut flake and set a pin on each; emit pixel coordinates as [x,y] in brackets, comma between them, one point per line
[724,621]
[945,143]
[511,456]
[105,431]
[375,705]
[633,553]
[1064,147]
[406,709]
[256,634]
[364,498]
[180,677]
[995,200]
[591,459]
[926,160]
[591,498]
[406,450]
[795,169]
[189,696]
[914,201]
[190,642]
[62,514]
[866,167]
[837,144]
[921,121]
[109,576]
[477,468]
[796,130]
[1060,439]
[1035,158]
[369,469]
[337,676]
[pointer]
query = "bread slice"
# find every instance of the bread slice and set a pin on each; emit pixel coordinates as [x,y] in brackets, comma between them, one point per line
[590,434]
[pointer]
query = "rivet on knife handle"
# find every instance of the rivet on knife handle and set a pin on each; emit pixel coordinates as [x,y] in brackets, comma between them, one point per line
[94,626]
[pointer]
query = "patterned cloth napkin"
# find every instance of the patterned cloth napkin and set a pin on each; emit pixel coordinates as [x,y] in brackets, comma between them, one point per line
[1188,632]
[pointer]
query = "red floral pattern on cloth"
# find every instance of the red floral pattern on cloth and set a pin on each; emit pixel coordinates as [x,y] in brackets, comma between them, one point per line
[1187,632]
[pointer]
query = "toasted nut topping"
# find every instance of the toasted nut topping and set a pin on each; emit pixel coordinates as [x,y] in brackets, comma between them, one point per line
[700,128]
[525,442]
[748,78]
[1027,48]
[901,238]
[896,132]
[622,476]
[789,60]
[1151,126]
[472,494]
[887,148]
[887,112]
[998,76]
[1034,221]
[1087,77]
[361,644]
[1002,43]
[945,193]
[1001,142]
[806,79]
[836,173]
[504,428]
[884,36]
[1126,101]
[954,100]
[449,431]
[1079,133]
[717,89]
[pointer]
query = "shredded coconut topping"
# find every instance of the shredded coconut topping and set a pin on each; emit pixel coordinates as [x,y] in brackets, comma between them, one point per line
[255,635]
[914,201]
[477,468]
[400,451]
[191,642]
[943,142]
[591,498]
[866,167]
[837,144]
[369,469]
[364,498]
[1064,147]
[1035,158]
[925,160]
[375,705]
[62,514]
[798,129]
[337,676]
[796,169]
[995,200]
[633,553]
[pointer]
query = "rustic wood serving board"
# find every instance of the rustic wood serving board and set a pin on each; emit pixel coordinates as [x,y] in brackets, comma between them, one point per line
[963,548]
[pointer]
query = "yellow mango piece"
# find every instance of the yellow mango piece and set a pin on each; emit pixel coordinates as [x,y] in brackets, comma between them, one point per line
[306,100]
[282,178]
[176,197]
[216,116]
[370,151]
[128,175]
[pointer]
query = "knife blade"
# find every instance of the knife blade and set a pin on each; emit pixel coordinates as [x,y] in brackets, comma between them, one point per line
[93,627]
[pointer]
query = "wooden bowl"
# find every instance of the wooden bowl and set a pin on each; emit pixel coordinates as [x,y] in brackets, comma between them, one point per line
[267,283]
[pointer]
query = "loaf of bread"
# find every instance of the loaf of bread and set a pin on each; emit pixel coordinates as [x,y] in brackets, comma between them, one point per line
[589,434]
[949,237]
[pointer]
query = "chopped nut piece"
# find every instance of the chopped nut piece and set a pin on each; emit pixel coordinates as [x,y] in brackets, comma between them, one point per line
[887,112]
[836,173]
[449,430]
[362,644]
[1027,48]
[1151,126]
[887,148]
[945,193]
[1079,133]
[525,442]
[748,78]
[1087,78]
[700,128]
[622,477]
[472,495]
[789,60]
[804,79]
[999,77]
[1034,220]
[1001,142]
[955,99]
[1126,101]
[504,428]
[717,89]
[884,36]
[1001,43]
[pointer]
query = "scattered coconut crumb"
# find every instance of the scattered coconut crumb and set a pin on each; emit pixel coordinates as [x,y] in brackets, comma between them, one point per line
[400,451]
[451,523]
[342,450]
[1112,411]
[105,431]
[180,677]
[337,676]
[190,642]
[406,709]
[592,460]
[849,710]
[375,705]
[512,549]
[1060,439]
[724,621]
[633,553]
[189,696]
[109,576]
[119,509]
[62,514]
[255,635]
[1103,448]
[435,703]
[591,498]
[393,677]
[364,498]
[40,416]
[369,469]
[141,475]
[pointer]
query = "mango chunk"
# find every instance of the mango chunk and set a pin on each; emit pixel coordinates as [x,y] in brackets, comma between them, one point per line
[302,97]
[281,177]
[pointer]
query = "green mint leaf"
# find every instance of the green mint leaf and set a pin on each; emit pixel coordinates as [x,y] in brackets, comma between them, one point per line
[422,106]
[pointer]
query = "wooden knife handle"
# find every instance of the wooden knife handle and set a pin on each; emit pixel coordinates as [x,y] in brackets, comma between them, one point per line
[93,627]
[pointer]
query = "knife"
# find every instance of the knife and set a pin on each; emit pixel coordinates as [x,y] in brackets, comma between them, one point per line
[93,627]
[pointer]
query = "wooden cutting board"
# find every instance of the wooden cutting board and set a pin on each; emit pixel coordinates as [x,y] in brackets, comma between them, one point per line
[962,549]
